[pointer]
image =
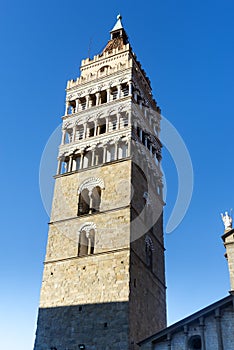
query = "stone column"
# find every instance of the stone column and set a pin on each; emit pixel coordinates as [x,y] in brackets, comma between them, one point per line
[89,245]
[107,124]
[169,341]
[63,137]
[87,102]
[97,98]
[141,135]
[67,108]
[129,146]
[90,202]
[129,117]
[108,95]
[95,128]
[135,95]
[118,121]
[81,159]
[74,134]
[85,130]
[202,327]
[104,154]
[119,91]
[70,164]
[77,104]
[93,157]
[219,329]
[186,337]
[116,150]
[59,166]
[130,88]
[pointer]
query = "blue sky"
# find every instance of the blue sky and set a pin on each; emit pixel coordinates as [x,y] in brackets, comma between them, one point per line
[187,49]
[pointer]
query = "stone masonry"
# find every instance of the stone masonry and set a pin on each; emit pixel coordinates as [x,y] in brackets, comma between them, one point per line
[104,277]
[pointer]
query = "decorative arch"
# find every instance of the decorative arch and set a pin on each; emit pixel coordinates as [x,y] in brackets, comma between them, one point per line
[91,183]
[86,239]
[87,227]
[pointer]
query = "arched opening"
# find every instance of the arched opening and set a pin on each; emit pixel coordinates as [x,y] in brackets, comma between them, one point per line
[114,93]
[84,203]
[64,165]
[96,199]
[76,163]
[79,132]
[103,96]
[113,122]
[82,103]
[123,150]
[110,156]
[83,244]
[87,159]
[99,156]
[101,126]
[91,129]
[125,89]
[195,342]
[68,136]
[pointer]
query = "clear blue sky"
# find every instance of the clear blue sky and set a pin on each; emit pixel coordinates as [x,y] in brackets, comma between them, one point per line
[187,50]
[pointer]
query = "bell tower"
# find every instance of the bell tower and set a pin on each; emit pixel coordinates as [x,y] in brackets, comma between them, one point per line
[104,281]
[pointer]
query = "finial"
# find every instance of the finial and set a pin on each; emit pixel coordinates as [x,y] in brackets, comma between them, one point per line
[119,16]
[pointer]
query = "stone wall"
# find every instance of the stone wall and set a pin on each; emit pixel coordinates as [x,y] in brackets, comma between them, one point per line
[98,326]
[216,329]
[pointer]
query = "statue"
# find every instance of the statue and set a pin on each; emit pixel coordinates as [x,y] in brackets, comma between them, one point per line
[227,220]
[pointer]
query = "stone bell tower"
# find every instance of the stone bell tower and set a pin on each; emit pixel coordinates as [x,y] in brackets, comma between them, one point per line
[104,282]
[228,240]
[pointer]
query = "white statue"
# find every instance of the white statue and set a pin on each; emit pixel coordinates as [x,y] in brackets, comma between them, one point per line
[227,220]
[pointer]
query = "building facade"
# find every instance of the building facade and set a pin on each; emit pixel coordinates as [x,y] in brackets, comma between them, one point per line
[211,328]
[104,279]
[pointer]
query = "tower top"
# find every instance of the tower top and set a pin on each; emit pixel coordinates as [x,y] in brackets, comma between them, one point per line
[118,31]
[118,25]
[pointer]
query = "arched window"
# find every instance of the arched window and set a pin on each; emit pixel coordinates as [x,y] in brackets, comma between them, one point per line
[110,153]
[90,196]
[194,342]
[64,165]
[86,241]
[87,159]
[123,150]
[101,126]
[84,202]
[99,156]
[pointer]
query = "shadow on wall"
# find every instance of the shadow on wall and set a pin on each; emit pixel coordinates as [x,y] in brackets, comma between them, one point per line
[91,326]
